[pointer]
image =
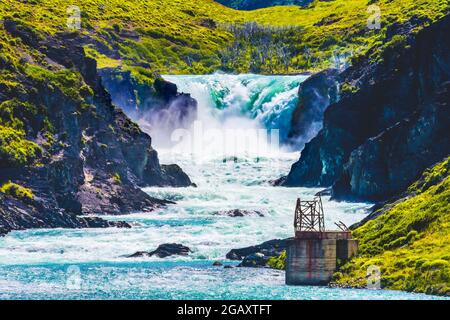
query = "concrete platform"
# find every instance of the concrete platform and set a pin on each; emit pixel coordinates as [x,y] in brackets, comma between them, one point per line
[313,257]
[335,235]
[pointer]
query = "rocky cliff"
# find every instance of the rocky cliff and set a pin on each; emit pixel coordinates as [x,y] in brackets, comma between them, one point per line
[389,124]
[64,142]
[316,94]
[157,106]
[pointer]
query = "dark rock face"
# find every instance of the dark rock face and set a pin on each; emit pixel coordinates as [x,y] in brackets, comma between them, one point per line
[378,140]
[160,109]
[239,213]
[175,176]
[424,183]
[165,89]
[315,95]
[258,256]
[387,164]
[101,157]
[164,251]
[255,260]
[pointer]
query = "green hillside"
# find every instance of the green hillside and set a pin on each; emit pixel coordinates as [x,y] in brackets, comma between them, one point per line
[203,36]
[410,242]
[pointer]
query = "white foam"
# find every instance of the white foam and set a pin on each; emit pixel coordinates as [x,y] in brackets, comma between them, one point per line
[191,222]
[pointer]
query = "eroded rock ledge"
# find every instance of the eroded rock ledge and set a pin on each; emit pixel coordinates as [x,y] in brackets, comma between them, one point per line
[164,251]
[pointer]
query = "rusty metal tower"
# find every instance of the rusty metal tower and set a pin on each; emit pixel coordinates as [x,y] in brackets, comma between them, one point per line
[315,253]
[309,216]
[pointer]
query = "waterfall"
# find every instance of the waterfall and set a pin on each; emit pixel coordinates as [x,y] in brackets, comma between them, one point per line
[244,101]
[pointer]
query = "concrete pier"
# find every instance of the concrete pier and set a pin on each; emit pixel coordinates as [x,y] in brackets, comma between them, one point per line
[313,257]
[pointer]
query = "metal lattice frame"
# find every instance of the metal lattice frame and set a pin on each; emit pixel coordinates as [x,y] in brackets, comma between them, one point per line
[309,216]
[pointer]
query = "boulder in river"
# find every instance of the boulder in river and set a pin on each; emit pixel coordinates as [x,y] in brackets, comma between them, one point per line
[236,213]
[164,251]
[258,256]
[255,260]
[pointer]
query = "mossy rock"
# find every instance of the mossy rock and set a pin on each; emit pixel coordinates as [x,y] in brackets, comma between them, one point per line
[17,191]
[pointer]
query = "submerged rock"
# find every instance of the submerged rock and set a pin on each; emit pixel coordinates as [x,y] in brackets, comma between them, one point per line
[386,165]
[239,213]
[164,251]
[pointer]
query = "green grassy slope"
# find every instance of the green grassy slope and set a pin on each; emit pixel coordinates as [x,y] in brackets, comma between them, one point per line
[410,242]
[195,36]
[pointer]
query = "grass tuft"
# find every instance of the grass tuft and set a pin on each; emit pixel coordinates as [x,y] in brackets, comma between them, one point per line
[16,191]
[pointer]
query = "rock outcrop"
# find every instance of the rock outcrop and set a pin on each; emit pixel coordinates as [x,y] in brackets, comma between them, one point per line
[258,256]
[16,214]
[158,107]
[93,159]
[174,176]
[164,251]
[390,126]
[316,94]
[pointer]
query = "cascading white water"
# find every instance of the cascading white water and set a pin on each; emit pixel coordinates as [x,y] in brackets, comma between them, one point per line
[239,116]
[227,100]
